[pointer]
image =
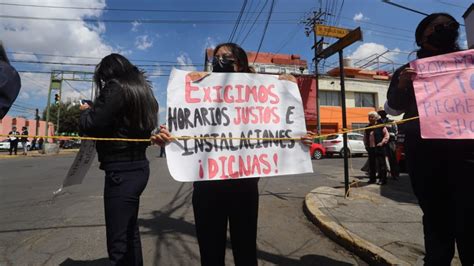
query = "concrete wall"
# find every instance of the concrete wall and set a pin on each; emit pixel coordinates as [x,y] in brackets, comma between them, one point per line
[7,123]
[469,22]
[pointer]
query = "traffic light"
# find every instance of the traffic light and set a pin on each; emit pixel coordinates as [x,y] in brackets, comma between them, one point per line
[57,98]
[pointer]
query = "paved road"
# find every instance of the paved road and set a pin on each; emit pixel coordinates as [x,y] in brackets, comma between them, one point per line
[36,229]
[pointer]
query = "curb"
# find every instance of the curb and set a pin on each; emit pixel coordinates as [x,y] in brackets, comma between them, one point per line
[36,155]
[369,252]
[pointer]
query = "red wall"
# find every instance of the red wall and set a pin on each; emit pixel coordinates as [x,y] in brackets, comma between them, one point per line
[307,86]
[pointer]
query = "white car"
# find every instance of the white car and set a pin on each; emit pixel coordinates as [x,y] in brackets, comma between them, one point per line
[355,142]
[5,145]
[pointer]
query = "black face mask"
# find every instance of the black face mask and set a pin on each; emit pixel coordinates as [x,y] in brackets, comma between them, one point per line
[443,38]
[222,65]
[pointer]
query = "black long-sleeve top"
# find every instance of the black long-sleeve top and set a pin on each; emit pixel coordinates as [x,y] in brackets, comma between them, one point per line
[107,119]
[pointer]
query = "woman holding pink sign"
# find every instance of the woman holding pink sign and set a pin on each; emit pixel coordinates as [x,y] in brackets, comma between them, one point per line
[441,170]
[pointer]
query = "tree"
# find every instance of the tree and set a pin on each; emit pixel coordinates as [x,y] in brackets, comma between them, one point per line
[68,117]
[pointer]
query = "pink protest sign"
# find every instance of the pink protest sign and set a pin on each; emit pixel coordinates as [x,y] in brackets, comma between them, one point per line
[444,90]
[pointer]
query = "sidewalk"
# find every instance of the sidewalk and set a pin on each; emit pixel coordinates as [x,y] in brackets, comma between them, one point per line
[35,153]
[381,224]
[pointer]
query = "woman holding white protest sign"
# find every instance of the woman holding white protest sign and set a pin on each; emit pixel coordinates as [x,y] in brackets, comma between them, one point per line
[440,169]
[125,108]
[233,201]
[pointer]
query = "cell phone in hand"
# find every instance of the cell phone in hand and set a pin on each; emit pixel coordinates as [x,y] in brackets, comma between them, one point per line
[89,102]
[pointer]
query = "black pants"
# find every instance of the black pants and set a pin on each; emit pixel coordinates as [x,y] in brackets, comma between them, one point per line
[442,180]
[124,183]
[390,151]
[215,203]
[377,163]
[13,146]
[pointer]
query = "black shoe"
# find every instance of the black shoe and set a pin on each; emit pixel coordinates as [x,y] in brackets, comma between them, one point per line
[383,182]
[372,181]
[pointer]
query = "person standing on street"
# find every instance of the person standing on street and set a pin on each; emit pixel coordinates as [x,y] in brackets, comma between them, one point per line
[441,171]
[24,140]
[125,108]
[13,139]
[390,148]
[375,140]
[40,143]
[227,203]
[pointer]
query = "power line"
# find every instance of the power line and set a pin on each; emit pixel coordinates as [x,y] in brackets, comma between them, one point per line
[239,34]
[23,107]
[237,22]
[265,29]
[93,65]
[87,57]
[451,4]
[404,7]
[379,25]
[49,73]
[409,9]
[144,21]
[137,10]
[69,84]
[289,39]
[253,24]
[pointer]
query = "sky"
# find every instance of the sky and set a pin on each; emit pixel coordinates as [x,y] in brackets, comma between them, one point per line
[157,35]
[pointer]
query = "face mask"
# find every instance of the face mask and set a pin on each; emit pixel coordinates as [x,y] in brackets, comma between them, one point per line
[220,64]
[443,37]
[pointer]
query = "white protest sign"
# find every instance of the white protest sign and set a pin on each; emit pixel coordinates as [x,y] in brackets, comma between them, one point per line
[227,107]
[81,164]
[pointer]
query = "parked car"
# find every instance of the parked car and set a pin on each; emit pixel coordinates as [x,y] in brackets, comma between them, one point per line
[355,143]
[70,144]
[400,150]
[317,151]
[5,145]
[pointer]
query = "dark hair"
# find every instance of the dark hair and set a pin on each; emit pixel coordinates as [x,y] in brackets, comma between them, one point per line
[140,103]
[3,54]
[420,29]
[239,54]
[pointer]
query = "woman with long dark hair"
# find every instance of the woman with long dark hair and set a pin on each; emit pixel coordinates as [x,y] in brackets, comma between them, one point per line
[441,171]
[234,201]
[125,108]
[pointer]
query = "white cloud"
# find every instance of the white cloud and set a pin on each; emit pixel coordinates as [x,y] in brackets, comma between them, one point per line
[56,37]
[24,95]
[185,61]
[210,43]
[135,26]
[143,42]
[360,17]
[75,38]
[368,51]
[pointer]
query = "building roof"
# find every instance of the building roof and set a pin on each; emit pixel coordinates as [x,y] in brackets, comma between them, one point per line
[468,11]
[269,58]
[355,72]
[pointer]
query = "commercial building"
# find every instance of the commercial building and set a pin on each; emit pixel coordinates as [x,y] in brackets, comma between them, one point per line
[469,23]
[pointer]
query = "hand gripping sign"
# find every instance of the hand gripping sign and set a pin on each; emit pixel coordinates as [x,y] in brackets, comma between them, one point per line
[221,113]
[444,90]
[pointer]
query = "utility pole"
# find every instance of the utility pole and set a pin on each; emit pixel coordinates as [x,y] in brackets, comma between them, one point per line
[310,27]
[37,118]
